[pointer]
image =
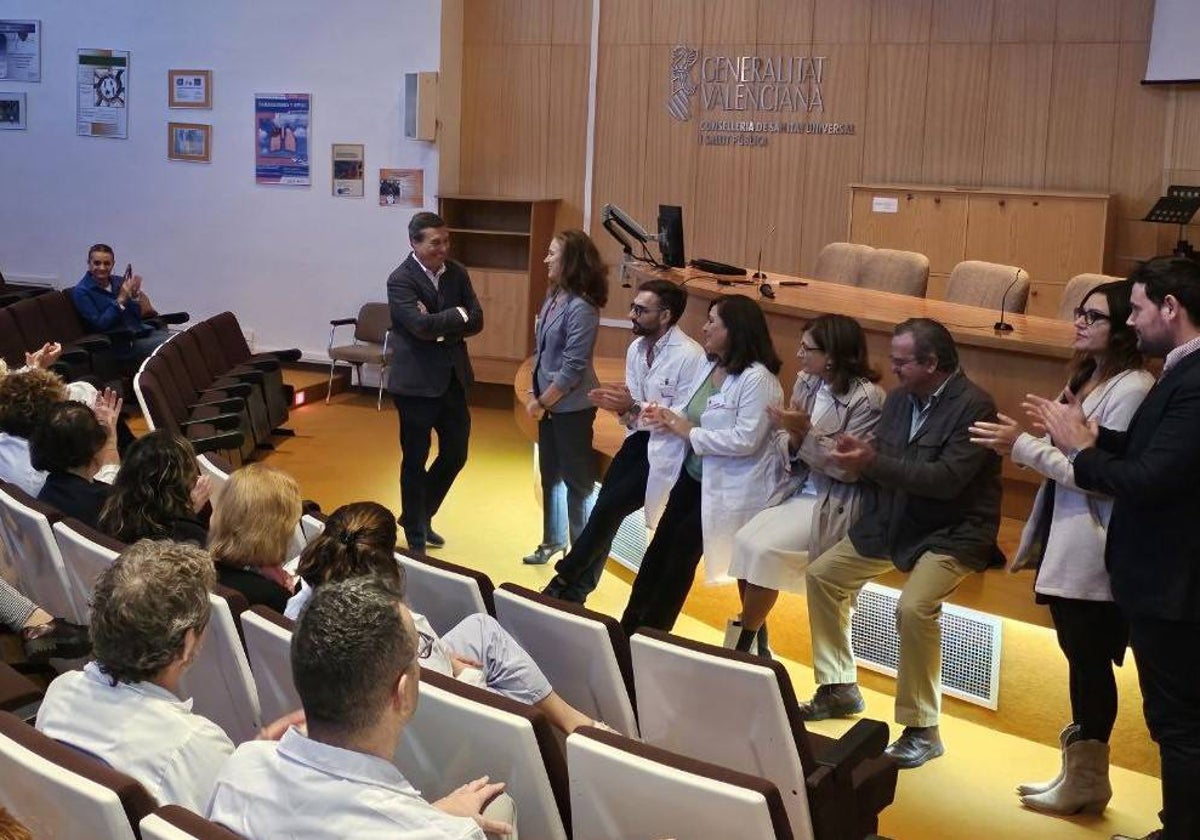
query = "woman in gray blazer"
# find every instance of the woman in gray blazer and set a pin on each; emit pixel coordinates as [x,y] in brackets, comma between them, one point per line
[1064,539]
[565,339]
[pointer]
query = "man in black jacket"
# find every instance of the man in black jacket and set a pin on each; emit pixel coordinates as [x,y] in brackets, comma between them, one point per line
[932,509]
[433,309]
[1153,550]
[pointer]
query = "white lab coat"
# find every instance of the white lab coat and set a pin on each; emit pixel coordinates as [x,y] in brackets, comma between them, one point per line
[741,474]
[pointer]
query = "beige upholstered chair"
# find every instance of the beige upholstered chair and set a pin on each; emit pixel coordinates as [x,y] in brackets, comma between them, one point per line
[1077,289]
[900,272]
[371,333]
[987,285]
[840,262]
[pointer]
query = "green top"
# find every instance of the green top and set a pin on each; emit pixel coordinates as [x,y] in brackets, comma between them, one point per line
[695,407]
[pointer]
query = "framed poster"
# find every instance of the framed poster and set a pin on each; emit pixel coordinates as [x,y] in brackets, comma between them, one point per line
[21,50]
[281,138]
[189,141]
[12,111]
[402,188]
[102,93]
[349,174]
[189,88]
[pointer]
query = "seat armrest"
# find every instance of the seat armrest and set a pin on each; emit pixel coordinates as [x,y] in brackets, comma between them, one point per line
[121,333]
[221,422]
[162,319]
[260,364]
[93,343]
[212,443]
[292,355]
[245,376]
[866,739]
[234,389]
[341,322]
[74,356]
[229,405]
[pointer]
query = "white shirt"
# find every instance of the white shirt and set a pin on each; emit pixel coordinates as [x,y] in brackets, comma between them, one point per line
[435,278]
[141,729]
[15,467]
[304,788]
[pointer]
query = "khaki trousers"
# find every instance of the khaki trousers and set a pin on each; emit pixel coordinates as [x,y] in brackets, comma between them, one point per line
[834,580]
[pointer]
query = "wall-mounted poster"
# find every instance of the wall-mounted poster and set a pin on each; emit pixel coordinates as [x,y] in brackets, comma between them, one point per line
[21,50]
[102,93]
[189,88]
[402,188]
[281,142]
[189,141]
[12,110]
[348,171]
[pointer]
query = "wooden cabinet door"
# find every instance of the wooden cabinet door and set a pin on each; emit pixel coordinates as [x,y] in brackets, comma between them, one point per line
[932,223]
[1053,238]
[504,296]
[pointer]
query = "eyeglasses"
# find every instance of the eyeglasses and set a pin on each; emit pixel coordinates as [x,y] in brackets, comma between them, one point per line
[805,349]
[1090,316]
[424,645]
[899,363]
[638,310]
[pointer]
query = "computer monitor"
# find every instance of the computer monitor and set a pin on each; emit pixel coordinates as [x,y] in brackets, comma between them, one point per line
[670,235]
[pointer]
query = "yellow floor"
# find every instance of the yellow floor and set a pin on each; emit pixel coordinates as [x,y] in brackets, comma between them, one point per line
[347,452]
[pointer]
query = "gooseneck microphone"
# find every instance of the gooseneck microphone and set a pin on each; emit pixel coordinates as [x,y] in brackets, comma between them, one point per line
[1002,326]
[758,275]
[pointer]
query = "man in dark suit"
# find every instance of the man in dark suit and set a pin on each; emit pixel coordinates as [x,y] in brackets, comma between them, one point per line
[932,510]
[433,310]
[1152,470]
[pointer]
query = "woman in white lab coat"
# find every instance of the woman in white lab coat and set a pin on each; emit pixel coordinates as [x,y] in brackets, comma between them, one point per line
[730,472]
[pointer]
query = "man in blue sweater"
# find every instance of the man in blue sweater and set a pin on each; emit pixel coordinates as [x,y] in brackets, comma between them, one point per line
[106,303]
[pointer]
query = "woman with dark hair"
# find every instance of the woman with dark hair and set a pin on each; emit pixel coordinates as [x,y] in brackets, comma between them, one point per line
[159,492]
[565,338]
[835,392]
[359,540]
[1064,540]
[730,472]
[74,445]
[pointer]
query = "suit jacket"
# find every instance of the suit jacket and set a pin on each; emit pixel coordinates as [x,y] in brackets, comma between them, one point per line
[1153,472]
[428,349]
[565,340]
[938,492]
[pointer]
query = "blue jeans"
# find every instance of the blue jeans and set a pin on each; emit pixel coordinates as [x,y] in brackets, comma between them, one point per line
[568,472]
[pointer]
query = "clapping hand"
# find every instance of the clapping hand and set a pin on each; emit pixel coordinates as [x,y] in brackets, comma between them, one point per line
[614,398]
[663,419]
[793,420]
[44,356]
[470,800]
[107,409]
[999,436]
[851,452]
[201,491]
[1063,421]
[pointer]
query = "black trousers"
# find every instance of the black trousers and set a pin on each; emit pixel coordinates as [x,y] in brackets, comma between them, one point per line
[622,493]
[567,467]
[665,577]
[422,488]
[1093,635]
[1168,660]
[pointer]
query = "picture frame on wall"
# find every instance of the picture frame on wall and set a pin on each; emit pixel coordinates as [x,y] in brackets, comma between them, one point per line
[12,111]
[189,89]
[190,142]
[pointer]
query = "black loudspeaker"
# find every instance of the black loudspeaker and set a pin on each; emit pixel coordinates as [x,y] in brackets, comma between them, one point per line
[670,235]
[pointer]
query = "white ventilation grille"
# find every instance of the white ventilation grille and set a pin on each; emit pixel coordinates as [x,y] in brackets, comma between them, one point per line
[630,544]
[970,644]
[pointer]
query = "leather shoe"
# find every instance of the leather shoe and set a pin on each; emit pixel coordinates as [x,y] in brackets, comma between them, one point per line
[432,537]
[835,700]
[543,554]
[915,746]
[58,638]
[1156,834]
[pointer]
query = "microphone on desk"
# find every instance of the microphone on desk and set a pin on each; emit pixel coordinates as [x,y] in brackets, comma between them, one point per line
[1002,326]
[765,289]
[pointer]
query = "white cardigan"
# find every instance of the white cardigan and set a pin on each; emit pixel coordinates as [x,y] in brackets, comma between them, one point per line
[1073,563]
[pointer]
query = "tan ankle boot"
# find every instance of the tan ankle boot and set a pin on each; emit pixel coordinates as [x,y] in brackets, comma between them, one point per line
[1085,787]
[1069,734]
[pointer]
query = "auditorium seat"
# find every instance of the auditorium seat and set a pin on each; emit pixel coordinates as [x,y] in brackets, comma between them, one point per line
[269,650]
[33,330]
[372,330]
[461,732]
[900,272]
[27,535]
[584,654]
[312,524]
[162,409]
[174,822]
[232,345]
[841,262]
[59,792]
[624,789]
[86,552]
[1077,289]
[189,404]
[219,681]
[695,699]
[445,593]
[184,353]
[985,284]
[19,695]
[215,467]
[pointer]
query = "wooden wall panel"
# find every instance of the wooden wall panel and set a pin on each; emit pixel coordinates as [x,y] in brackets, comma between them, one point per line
[900,21]
[624,21]
[482,21]
[527,21]
[730,21]
[566,149]
[962,21]
[785,21]
[956,114]
[1088,21]
[676,22]
[842,21]
[1025,21]
[1185,150]
[1136,19]
[895,125]
[1139,125]
[525,97]
[1079,146]
[572,22]
[1018,115]
[669,171]
[482,112]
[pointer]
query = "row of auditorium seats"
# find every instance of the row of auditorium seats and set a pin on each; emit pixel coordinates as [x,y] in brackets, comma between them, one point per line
[205,384]
[971,282]
[13,292]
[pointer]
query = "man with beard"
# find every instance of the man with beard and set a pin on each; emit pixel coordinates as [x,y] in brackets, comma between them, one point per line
[659,365]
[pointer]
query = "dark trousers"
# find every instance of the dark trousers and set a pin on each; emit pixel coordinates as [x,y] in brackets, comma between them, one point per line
[622,493]
[567,468]
[422,489]
[1093,635]
[1168,660]
[665,577]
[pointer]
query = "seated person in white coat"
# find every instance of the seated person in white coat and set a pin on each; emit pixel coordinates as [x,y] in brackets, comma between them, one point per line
[149,611]
[358,540]
[354,662]
[835,392]
[730,472]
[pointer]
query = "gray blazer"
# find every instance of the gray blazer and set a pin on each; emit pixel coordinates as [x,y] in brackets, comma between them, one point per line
[565,340]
